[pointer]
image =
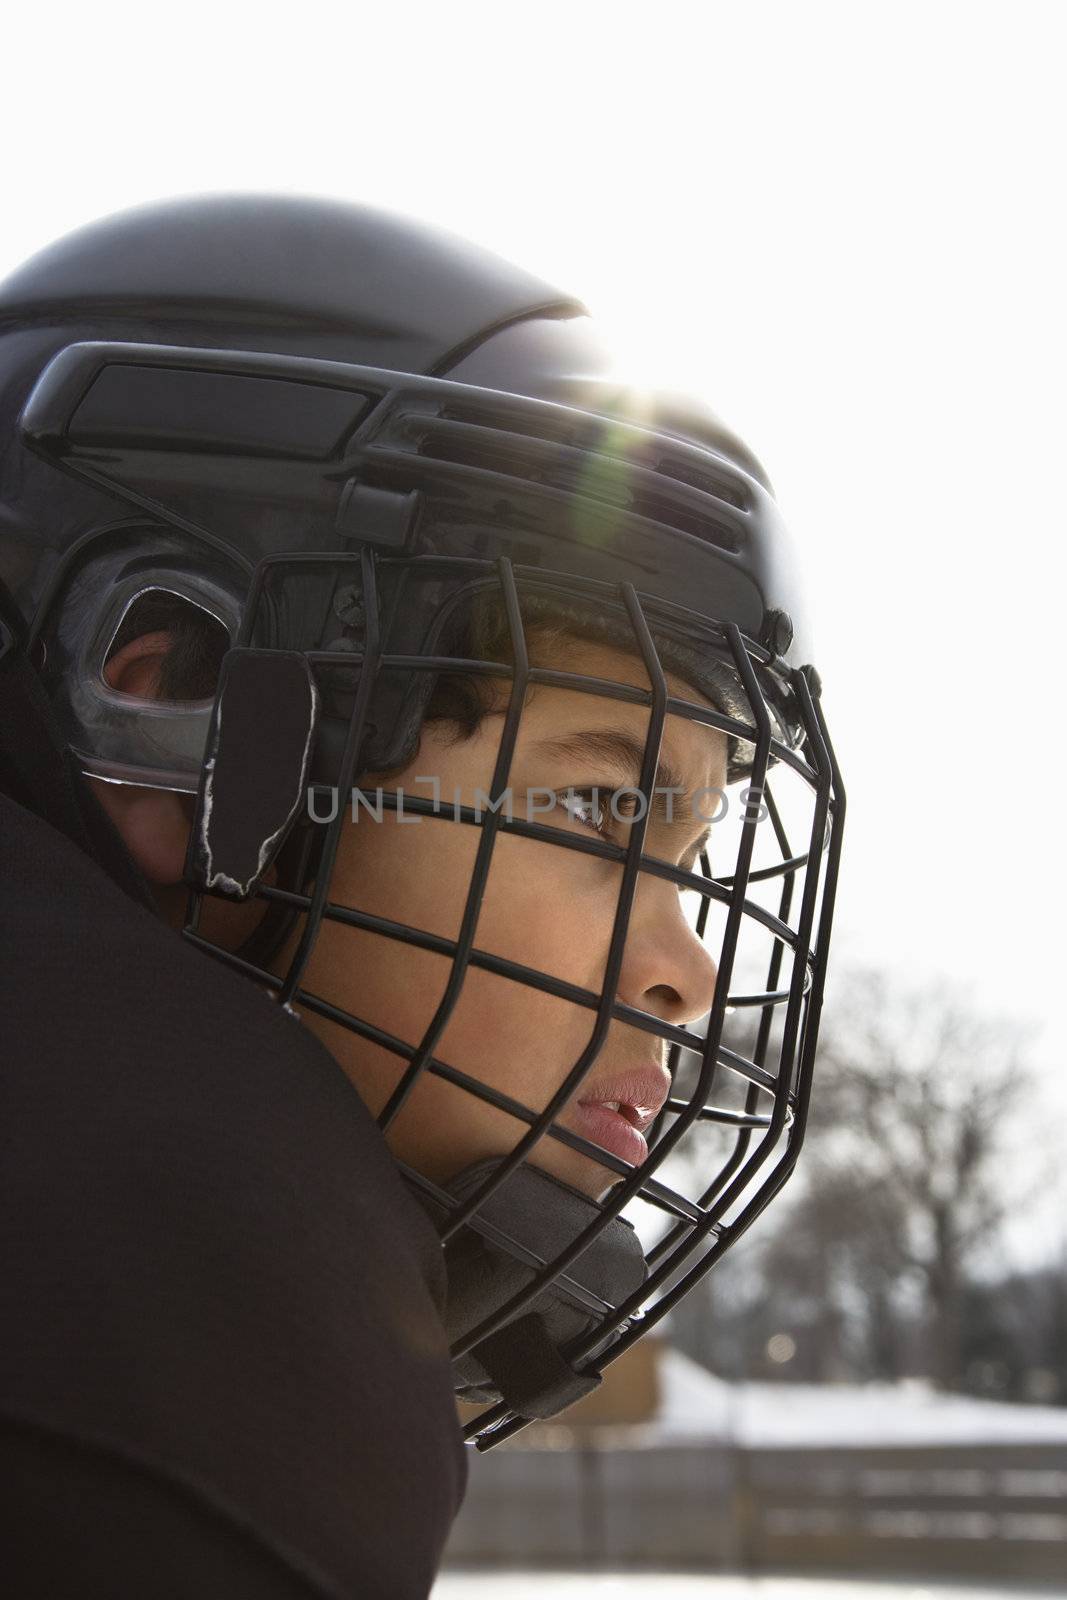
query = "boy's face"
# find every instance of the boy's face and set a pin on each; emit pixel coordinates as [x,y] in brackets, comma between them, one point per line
[545,907]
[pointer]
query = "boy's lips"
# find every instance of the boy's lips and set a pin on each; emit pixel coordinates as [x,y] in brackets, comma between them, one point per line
[615,1112]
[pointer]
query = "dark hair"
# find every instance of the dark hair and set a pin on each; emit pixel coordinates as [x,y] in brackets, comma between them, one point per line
[465,699]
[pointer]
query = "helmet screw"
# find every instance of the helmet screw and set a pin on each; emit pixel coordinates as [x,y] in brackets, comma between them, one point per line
[348,606]
[777,631]
[814,681]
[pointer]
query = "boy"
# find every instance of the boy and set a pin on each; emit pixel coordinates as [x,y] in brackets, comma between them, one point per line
[352,592]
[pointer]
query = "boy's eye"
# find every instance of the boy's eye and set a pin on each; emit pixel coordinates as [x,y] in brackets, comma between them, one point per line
[585,806]
[606,811]
[610,812]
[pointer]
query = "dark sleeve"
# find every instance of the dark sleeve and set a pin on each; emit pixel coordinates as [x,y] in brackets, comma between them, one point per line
[79,1521]
[211,1274]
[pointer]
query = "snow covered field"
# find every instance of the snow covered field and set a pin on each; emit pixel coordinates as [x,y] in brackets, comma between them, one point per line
[679,1586]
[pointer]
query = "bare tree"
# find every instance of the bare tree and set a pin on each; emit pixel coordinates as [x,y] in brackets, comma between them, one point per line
[916,1109]
[921,1108]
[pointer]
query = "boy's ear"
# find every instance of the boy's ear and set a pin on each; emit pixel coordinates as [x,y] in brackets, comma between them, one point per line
[136,668]
[153,822]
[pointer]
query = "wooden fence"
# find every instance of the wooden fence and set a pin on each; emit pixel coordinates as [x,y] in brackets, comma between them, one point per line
[594,1500]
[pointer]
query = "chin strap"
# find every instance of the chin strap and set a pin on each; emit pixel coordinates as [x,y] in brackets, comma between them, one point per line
[528,1221]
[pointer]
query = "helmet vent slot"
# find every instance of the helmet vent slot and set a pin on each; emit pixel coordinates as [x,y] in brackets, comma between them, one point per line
[589,463]
[613,440]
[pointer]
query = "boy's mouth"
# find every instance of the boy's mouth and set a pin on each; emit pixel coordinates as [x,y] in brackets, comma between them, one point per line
[616,1111]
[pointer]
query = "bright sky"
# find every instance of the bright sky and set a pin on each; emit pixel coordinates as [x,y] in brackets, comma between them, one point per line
[843,223]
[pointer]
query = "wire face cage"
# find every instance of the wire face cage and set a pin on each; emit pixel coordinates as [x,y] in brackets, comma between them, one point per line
[562,1281]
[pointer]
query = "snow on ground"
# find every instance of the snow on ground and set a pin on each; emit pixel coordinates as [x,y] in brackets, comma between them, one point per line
[695,1404]
[682,1586]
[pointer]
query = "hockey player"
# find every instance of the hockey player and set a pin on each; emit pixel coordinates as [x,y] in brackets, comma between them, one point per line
[376,667]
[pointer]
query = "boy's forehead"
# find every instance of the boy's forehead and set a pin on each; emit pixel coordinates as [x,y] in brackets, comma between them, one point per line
[693,747]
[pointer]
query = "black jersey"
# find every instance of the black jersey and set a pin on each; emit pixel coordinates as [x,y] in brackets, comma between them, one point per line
[222,1366]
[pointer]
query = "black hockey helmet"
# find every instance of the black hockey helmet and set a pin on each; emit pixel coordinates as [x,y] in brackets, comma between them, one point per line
[357,447]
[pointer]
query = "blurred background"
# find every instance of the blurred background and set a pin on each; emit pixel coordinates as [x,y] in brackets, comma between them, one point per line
[844,225]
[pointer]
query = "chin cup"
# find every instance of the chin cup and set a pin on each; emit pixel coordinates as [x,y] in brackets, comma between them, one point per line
[529,1221]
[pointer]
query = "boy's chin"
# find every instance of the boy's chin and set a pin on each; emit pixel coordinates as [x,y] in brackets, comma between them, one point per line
[580,1172]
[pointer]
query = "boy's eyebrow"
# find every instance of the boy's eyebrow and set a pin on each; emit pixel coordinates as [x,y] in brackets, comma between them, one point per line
[614,745]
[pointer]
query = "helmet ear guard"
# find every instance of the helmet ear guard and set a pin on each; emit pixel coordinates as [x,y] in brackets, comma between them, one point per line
[120,581]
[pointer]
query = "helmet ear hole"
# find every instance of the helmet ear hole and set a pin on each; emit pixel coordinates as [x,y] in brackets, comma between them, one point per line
[198,641]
